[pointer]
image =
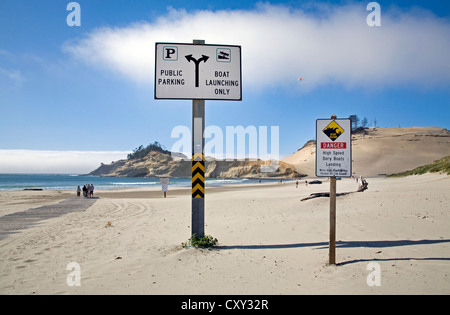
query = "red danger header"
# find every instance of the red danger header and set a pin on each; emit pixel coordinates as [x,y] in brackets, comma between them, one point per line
[333,145]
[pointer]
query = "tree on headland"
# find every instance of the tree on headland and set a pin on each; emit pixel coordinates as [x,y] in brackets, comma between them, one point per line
[364,122]
[141,152]
[354,119]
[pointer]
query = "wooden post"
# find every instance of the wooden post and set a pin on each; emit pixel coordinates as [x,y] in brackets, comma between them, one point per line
[332,244]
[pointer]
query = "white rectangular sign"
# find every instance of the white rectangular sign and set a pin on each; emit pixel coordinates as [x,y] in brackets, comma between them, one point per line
[192,71]
[164,181]
[333,148]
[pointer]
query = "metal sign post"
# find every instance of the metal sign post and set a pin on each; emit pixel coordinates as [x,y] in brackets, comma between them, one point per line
[198,165]
[198,169]
[198,72]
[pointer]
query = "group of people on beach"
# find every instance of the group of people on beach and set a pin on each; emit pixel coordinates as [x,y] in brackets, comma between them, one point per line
[88,191]
[296,183]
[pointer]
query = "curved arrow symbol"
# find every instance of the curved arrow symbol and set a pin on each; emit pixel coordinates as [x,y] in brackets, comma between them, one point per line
[197,63]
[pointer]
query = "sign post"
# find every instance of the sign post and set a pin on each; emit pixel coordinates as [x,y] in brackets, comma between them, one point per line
[198,162]
[198,72]
[332,243]
[333,159]
[198,168]
[164,185]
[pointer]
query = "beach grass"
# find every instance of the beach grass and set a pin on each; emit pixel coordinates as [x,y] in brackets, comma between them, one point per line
[438,166]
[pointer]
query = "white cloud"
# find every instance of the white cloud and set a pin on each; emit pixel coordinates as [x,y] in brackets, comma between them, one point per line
[55,162]
[12,75]
[324,45]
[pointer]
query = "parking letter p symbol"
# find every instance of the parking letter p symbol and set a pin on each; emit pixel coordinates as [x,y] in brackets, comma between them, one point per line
[170,53]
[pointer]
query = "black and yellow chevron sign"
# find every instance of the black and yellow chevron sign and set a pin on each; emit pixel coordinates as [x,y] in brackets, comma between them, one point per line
[198,176]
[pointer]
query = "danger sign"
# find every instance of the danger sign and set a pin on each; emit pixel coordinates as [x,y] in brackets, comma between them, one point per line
[333,145]
[333,148]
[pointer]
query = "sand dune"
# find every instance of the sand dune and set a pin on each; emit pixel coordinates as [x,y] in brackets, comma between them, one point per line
[384,150]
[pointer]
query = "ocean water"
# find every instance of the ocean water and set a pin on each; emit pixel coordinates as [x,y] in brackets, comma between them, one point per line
[70,182]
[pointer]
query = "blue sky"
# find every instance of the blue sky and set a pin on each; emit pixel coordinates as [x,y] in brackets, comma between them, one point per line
[90,88]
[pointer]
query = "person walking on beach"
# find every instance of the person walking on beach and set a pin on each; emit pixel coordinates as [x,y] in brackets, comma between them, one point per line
[84,190]
[78,191]
[296,184]
[91,191]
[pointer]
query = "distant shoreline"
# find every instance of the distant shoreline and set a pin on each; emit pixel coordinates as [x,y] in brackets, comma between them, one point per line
[65,182]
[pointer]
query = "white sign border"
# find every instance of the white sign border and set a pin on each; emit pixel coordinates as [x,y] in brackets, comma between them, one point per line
[350,146]
[209,98]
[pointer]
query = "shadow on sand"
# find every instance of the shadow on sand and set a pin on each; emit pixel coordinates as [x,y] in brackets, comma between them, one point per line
[15,222]
[351,244]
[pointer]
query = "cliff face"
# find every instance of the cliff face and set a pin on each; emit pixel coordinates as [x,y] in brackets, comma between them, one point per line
[157,164]
[249,169]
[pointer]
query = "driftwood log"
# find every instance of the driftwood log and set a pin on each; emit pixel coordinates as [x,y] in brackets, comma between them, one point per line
[326,194]
[361,188]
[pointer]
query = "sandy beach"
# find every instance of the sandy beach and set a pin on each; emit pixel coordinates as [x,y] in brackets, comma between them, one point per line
[270,242]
